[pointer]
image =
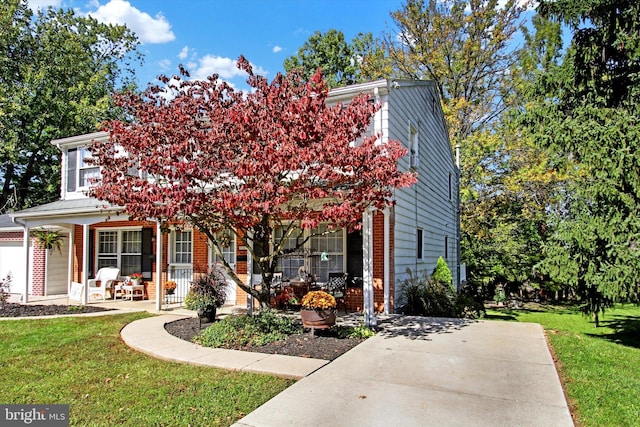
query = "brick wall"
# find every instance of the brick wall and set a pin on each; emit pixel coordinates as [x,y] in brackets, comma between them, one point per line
[11,236]
[39,269]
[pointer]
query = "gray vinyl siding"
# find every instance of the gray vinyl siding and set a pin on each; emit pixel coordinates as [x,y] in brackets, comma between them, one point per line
[426,204]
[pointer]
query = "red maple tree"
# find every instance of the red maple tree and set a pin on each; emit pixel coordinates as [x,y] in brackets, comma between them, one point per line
[200,152]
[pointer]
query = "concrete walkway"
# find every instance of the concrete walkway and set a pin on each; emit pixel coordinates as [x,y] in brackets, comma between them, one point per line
[429,372]
[149,336]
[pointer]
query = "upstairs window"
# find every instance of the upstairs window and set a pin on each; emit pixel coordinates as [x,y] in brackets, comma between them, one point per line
[79,173]
[413,146]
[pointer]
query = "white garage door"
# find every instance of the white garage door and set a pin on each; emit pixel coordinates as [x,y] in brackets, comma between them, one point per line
[12,261]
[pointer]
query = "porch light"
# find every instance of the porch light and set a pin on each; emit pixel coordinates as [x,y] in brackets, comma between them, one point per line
[324,256]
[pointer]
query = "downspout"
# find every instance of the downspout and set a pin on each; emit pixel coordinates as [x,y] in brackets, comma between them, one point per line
[387,263]
[458,232]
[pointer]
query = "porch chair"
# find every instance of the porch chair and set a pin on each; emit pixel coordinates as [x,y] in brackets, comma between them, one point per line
[337,286]
[104,280]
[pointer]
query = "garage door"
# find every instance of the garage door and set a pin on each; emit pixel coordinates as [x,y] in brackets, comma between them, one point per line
[12,261]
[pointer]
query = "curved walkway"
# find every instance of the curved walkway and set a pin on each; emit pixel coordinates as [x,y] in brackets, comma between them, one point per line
[415,372]
[149,336]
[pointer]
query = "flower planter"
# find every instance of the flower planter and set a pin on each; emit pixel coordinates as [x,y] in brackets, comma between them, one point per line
[207,315]
[318,319]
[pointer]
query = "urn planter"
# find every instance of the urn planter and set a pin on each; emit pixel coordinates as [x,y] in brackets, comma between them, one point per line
[318,319]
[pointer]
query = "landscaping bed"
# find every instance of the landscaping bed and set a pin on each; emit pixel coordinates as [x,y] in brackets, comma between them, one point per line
[22,310]
[325,344]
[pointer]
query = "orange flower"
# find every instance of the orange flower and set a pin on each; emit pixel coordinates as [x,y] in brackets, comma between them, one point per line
[318,300]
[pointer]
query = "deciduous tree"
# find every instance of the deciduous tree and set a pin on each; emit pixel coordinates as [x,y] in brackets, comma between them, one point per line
[277,157]
[57,74]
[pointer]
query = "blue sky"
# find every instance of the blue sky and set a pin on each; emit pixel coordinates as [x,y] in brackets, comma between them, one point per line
[207,36]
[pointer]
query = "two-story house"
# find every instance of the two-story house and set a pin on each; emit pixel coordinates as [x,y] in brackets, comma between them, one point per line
[422,225]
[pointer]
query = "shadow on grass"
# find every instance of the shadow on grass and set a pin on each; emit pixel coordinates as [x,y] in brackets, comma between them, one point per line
[626,330]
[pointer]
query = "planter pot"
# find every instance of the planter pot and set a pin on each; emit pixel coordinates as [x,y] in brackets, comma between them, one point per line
[318,319]
[135,282]
[207,315]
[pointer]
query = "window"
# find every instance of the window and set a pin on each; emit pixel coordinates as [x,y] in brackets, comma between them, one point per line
[419,243]
[413,146]
[228,242]
[120,248]
[450,189]
[86,172]
[446,247]
[331,245]
[182,244]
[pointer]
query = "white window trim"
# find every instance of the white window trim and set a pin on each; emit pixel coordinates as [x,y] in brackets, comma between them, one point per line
[171,249]
[119,231]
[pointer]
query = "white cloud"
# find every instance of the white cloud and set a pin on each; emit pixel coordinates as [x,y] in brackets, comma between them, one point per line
[225,67]
[148,29]
[43,4]
[277,49]
[184,53]
[164,64]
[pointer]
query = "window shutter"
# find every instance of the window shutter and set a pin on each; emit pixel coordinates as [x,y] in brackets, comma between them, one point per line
[72,156]
[147,253]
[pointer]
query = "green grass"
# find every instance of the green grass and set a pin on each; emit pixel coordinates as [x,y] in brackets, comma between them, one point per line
[82,362]
[600,367]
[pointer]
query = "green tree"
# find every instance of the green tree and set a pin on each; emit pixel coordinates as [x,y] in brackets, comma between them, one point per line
[466,48]
[57,73]
[586,112]
[341,63]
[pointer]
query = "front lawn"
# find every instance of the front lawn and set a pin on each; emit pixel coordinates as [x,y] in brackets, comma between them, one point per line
[599,367]
[82,362]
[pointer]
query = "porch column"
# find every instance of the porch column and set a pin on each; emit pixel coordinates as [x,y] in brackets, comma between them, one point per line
[70,262]
[250,278]
[25,294]
[85,263]
[387,263]
[367,269]
[158,267]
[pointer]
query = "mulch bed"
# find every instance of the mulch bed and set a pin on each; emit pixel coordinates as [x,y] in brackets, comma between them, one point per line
[323,345]
[21,310]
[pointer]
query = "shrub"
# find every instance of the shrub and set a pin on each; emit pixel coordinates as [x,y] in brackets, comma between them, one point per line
[4,289]
[442,273]
[207,291]
[359,332]
[242,331]
[425,296]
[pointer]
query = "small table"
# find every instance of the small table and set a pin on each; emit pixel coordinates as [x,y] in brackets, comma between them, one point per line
[130,290]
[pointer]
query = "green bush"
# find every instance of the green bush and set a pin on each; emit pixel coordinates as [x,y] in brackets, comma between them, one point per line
[242,331]
[441,273]
[358,332]
[424,296]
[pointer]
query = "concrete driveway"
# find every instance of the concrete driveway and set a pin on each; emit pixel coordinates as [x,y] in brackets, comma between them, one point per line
[430,372]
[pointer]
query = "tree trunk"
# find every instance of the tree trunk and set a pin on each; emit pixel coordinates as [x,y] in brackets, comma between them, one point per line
[596,319]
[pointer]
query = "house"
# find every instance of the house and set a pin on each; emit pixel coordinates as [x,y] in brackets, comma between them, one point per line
[422,225]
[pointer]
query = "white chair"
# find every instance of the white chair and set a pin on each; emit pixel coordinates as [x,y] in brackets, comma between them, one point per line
[104,280]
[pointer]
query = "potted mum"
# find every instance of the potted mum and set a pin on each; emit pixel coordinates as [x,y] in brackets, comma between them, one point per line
[207,293]
[318,310]
[170,287]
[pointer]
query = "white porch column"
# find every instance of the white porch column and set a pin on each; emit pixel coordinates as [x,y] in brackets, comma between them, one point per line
[25,293]
[158,267]
[70,263]
[367,269]
[387,262]
[85,263]
[250,277]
